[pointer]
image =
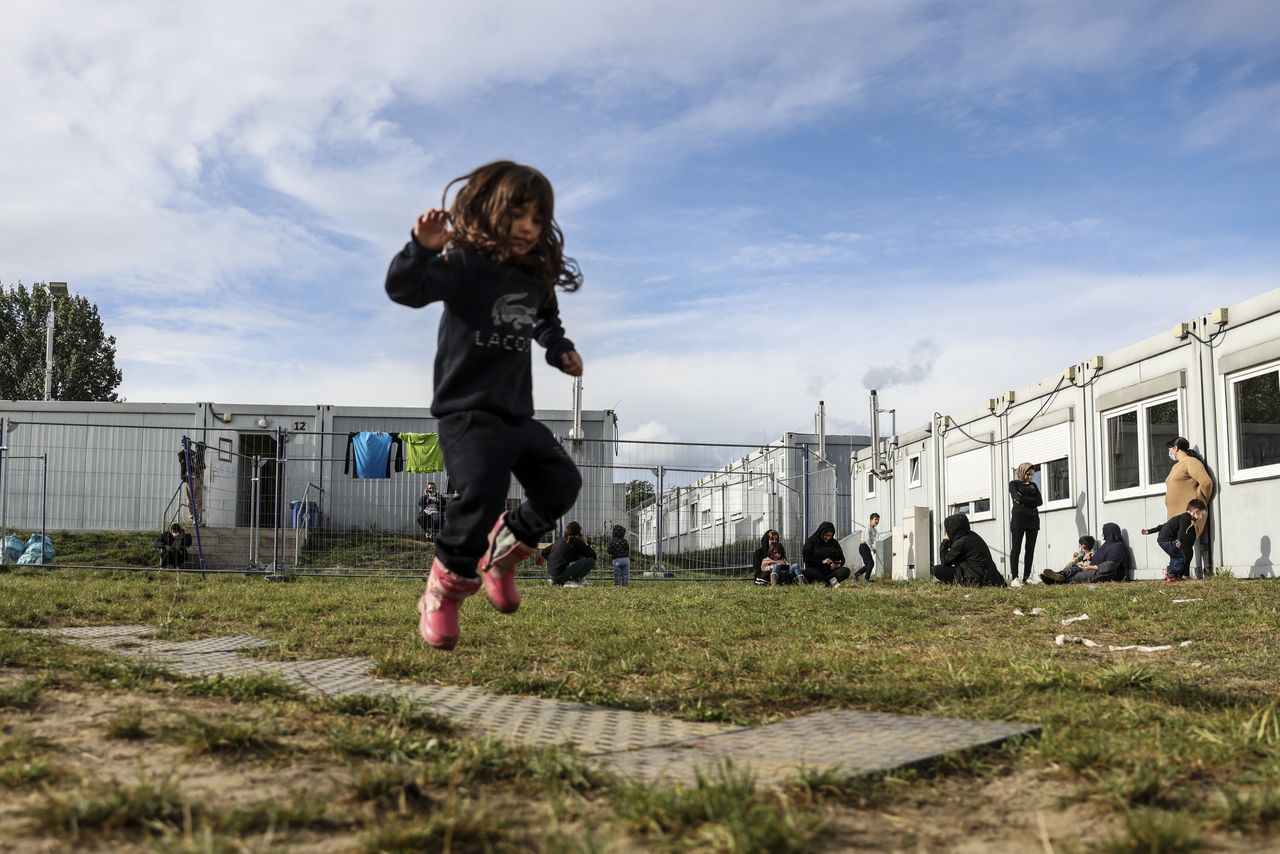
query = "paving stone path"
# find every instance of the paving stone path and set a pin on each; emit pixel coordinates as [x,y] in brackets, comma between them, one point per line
[634,743]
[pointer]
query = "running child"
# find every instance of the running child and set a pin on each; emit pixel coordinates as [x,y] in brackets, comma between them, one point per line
[867,545]
[495,270]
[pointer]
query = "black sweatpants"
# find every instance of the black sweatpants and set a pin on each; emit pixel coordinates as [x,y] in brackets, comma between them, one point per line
[1017,535]
[823,574]
[481,453]
[868,562]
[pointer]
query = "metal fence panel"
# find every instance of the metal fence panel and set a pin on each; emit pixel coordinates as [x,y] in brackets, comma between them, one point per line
[271,500]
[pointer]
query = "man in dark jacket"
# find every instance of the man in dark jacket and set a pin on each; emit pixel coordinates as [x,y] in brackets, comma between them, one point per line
[964,557]
[823,558]
[569,558]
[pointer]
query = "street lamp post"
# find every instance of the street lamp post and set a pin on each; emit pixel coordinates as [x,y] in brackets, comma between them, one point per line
[56,289]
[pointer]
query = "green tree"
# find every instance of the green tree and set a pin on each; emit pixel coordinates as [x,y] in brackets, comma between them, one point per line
[84,356]
[638,493]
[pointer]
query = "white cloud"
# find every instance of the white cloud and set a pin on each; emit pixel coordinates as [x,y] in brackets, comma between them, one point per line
[229,179]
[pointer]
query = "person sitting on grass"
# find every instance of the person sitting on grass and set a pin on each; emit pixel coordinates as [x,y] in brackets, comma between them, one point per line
[173,545]
[767,542]
[1176,537]
[1107,562]
[776,568]
[569,558]
[965,557]
[823,558]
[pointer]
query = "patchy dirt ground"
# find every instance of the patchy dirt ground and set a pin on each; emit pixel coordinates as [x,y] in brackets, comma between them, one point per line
[75,727]
[1015,813]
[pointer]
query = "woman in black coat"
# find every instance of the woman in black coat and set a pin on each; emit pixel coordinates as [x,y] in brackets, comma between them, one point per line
[1024,521]
[823,558]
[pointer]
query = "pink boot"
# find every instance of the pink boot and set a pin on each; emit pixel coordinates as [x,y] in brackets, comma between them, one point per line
[439,605]
[498,566]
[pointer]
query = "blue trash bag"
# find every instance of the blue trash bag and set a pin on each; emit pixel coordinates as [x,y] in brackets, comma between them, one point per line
[39,550]
[13,547]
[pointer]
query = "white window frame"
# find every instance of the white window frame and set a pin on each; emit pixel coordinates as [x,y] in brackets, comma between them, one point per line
[1233,422]
[967,508]
[1144,488]
[1069,455]
[915,476]
[871,483]
[988,495]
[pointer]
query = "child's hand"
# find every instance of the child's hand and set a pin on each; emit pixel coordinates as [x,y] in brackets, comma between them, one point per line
[1177,544]
[430,230]
[1144,532]
[571,363]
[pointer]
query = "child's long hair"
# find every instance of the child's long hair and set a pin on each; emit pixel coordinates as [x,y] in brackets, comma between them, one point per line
[481,217]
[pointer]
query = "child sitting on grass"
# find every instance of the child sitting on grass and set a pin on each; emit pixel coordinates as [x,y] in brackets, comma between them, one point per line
[777,568]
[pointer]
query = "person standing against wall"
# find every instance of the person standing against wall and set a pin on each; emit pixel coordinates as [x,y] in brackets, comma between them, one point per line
[1024,522]
[1187,479]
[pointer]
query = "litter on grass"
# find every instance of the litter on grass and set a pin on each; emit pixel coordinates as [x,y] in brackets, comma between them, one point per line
[1063,640]
[1069,620]
[1185,601]
[1035,612]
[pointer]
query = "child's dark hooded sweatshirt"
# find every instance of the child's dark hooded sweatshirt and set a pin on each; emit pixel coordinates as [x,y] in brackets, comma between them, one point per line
[1181,527]
[618,545]
[491,313]
[484,394]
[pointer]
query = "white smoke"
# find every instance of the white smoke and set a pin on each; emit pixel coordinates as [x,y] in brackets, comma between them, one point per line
[915,369]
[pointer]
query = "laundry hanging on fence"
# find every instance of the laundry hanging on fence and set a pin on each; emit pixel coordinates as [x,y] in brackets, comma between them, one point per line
[422,452]
[372,454]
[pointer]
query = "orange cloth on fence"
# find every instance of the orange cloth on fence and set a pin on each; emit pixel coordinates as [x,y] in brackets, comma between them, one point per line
[1187,479]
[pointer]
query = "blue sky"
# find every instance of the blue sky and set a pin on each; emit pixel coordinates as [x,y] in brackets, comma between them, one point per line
[772,203]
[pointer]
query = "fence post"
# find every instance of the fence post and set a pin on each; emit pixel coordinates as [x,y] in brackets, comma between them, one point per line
[254,512]
[192,501]
[657,548]
[804,507]
[4,524]
[724,534]
[44,503]
[277,546]
[679,550]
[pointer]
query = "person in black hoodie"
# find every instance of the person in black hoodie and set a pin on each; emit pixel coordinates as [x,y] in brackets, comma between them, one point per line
[173,545]
[964,557]
[569,558]
[763,577]
[1024,521]
[494,259]
[619,551]
[823,558]
[1107,562]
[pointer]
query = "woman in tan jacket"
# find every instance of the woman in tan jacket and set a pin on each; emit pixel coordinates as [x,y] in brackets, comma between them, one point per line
[1187,479]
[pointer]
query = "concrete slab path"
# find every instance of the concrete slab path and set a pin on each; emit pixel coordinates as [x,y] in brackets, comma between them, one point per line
[633,743]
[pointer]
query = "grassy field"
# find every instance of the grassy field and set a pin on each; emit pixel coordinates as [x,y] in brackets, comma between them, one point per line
[1167,751]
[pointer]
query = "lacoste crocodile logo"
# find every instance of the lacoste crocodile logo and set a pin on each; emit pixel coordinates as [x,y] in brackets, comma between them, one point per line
[508,312]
